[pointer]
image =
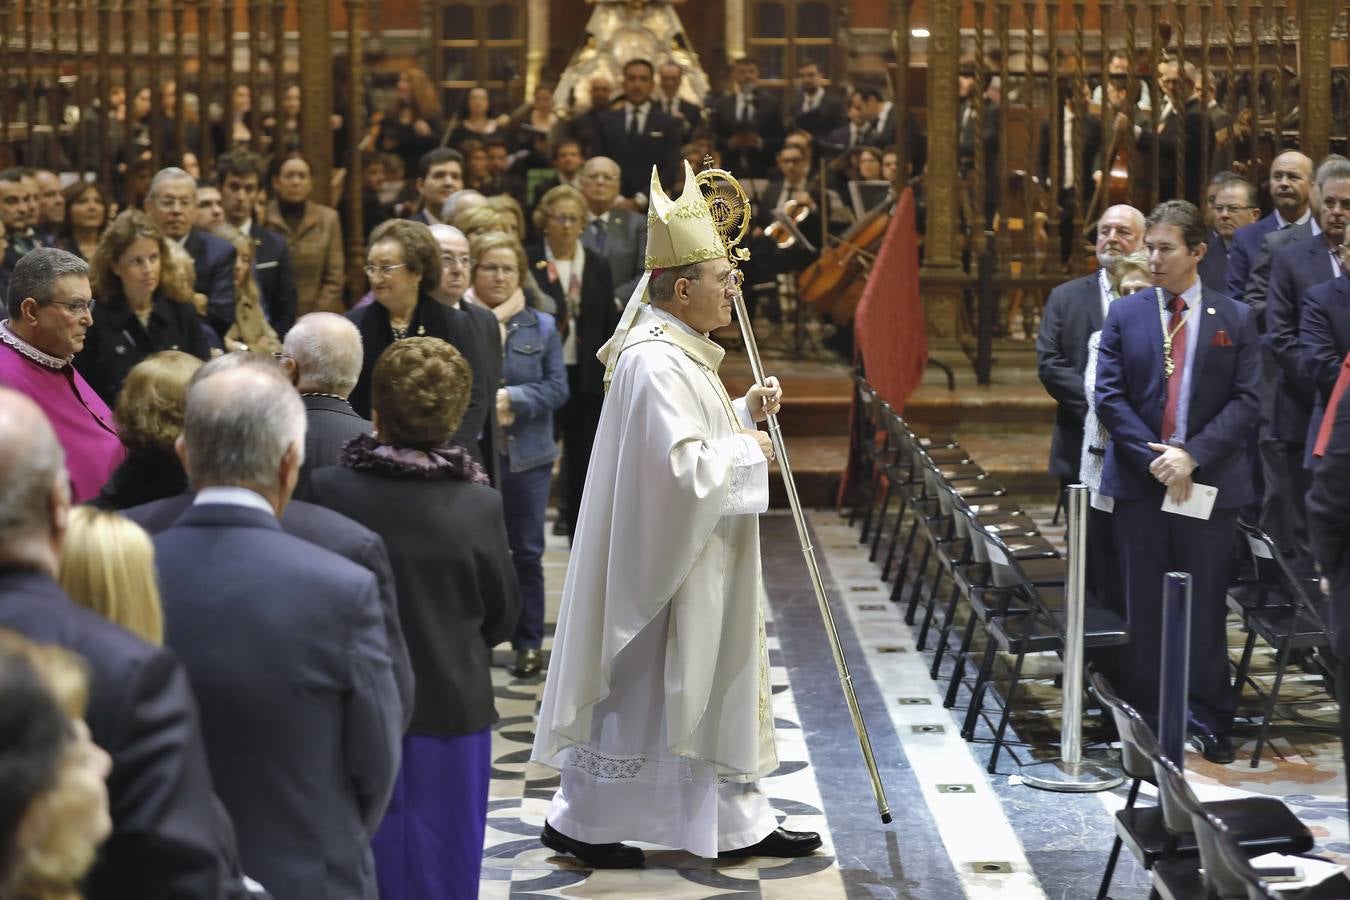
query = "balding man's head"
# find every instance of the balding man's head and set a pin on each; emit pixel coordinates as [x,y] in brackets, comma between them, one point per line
[1119,231]
[326,351]
[1291,176]
[36,495]
[600,183]
[244,427]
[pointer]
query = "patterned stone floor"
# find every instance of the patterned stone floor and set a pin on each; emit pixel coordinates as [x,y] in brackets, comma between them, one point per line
[958,831]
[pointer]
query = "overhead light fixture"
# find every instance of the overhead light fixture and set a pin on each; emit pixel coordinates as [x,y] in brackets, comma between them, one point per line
[918,32]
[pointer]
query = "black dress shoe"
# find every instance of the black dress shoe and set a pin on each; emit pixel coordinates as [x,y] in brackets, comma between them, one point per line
[780,842]
[1214,747]
[560,527]
[529,662]
[597,856]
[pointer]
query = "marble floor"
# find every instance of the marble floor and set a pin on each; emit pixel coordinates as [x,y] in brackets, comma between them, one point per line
[957,832]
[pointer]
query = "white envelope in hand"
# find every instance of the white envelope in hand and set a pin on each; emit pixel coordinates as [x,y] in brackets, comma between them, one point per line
[1199,506]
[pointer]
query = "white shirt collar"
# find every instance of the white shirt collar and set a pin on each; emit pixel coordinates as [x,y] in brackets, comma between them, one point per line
[640,108]
[246,229]
[26,349]
[234,496]
[181,242]
[1281,221]
[674,320]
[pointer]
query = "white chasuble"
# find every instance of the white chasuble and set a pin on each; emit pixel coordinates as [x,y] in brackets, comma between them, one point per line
[657,705]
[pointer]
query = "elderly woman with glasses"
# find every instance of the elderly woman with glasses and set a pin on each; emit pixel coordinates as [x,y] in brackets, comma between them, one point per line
[578,281]
[144,304]
[404,268]
[534,384]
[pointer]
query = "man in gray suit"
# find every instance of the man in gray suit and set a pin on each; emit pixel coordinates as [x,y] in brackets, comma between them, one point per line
[284,645]
[615,233]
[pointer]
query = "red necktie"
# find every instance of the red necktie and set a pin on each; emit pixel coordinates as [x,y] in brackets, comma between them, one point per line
[1329,414]
[1177,328]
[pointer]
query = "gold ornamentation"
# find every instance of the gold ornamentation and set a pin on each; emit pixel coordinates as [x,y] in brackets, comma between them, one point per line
[681,232]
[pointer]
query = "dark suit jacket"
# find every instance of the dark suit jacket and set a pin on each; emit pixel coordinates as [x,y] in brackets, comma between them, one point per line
[1325,340]
[323,528]
[1214,266]
[487,349]
[1258,273]
[625,249]
[915,141]
[1243,251]
[214,260]
[275,274]
[599,316]
[688,115]
[457,589]
[658,145]
[1073,312]
[330,424]
[117,340]
[165,842]
[822,120]
[285,647]
[1132,391]
[767,122]
[1187,127]
[1294,269]
[1329,517]
[1092,148]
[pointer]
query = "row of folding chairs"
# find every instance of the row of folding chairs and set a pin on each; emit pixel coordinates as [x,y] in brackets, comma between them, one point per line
[1192,850]
[982,565]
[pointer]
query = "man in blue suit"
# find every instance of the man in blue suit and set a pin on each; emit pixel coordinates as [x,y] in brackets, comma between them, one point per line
[1294,270]
[169,204]
[1324,336]
[1290,186]
[1232,203]
[239,176]
[284,644]
[167,841]
[1177,379]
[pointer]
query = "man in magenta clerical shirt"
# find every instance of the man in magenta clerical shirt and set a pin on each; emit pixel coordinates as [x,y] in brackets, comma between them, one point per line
[50,308]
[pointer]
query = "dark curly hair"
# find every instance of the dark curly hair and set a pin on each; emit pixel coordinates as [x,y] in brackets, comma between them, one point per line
[421,253]
[419,391]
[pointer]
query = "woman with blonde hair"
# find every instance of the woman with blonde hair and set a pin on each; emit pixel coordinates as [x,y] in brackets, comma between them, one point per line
[149,413]
[53,792]
[144,304]
[108,567]
[251,331]
[509,214]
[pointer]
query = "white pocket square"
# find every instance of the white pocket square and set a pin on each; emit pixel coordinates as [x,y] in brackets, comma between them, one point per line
[267,265]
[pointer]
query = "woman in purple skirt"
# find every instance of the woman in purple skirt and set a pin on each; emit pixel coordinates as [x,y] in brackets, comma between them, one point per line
[457,598]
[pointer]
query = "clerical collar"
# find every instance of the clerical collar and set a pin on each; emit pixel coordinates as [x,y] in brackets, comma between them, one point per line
[28,350]
[672,319]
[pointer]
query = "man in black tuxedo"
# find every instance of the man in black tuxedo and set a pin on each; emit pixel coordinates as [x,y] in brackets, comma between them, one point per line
[169,204]
[586,128]
[284,644]
[853,133]
[1183,121]
[1067,179]
[639,134]
[239,176]
[1294,269]
[973,99]
[668,99]
[166,840]
[1073,312]
[747,122]
[814,109]
[1232,204]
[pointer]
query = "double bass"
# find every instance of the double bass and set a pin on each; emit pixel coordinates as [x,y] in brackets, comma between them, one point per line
[834,282]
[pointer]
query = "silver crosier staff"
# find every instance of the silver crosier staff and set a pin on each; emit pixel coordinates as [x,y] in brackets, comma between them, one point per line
[731,214]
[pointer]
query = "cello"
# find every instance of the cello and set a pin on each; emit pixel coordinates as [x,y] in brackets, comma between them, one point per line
[834,282]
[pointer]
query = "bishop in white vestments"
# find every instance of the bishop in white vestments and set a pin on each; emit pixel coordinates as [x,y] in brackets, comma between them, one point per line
[657,707]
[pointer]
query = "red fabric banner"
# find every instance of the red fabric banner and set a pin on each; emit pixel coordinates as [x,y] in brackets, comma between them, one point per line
[889,328]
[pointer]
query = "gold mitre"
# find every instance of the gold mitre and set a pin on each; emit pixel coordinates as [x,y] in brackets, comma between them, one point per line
[680,232]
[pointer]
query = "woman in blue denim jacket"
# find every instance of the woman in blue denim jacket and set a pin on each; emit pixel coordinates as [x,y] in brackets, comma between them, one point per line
[534,384]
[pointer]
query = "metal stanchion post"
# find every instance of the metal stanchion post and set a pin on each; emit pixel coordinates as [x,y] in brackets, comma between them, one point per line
[1175,671]
[1072,773]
